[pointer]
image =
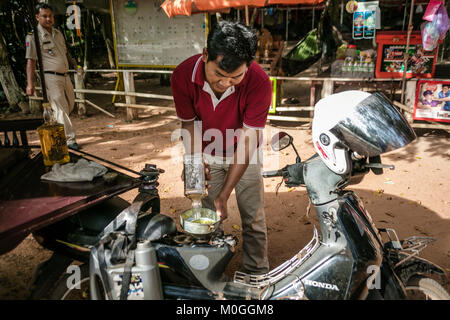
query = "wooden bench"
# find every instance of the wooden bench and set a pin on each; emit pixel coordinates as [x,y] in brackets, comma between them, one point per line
[14,132]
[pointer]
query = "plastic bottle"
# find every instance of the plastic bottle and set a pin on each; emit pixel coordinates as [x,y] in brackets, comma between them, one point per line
[365,70]
[371,69]
[351,51]
[336,68]
[344,69]
[352,71]
[147,267]
[356,69]
[348,67]
[361,69]
[53,139]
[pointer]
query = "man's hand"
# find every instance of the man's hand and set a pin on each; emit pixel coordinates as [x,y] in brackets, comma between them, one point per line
[31,90]
[221,207]
[79,70]
[207,171]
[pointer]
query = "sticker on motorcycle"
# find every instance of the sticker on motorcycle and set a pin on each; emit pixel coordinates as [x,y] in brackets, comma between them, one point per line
[136,288]
[199,262]
[321,285]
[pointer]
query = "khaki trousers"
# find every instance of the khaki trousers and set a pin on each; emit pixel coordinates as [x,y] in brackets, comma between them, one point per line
[250,199]
[62,99]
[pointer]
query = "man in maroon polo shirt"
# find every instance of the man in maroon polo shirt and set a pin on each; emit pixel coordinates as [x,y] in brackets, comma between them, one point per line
[225,96]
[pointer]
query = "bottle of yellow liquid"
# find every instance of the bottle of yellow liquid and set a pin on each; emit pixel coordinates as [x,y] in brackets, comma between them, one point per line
[53,139]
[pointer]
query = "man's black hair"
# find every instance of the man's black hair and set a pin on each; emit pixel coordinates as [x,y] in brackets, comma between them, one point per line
[427,92]
[235,42]
[446,85]
[42,5]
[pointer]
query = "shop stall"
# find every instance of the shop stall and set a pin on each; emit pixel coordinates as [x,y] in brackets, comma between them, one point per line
[377,49]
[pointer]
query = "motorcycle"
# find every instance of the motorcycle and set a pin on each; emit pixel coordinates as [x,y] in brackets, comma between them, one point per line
[140,254]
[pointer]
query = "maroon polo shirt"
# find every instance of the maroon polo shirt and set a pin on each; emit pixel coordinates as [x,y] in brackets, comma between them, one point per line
[245,104]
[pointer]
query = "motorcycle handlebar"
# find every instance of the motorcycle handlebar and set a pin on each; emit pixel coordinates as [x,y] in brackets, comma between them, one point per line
[292,174]
[273,173]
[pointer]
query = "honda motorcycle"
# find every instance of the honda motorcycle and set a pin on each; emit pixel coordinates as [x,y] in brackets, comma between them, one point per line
[134,252]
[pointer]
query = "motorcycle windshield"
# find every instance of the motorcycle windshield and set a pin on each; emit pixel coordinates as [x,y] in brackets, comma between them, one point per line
[374,127]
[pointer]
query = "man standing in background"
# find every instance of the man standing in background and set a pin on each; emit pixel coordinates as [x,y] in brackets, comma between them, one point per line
[55,60]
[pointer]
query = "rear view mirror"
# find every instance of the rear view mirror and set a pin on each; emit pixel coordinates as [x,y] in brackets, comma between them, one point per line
[280,141]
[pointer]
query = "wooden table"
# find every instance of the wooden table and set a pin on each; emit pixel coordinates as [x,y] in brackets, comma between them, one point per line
[28,203]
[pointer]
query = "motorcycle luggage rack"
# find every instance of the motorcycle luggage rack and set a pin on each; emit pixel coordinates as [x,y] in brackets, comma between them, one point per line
[260,281]
[413,245]
[410,246]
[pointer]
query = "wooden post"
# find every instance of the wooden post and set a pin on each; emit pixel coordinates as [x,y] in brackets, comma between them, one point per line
[410,99]
[406,55]
[312,97]
[328,87]
[287,24]
[79,84]
[8,80]
[128,79]
[247,21]
[254,16]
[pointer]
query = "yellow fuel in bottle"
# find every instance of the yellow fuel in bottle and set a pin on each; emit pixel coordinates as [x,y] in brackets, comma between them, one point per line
[53,139]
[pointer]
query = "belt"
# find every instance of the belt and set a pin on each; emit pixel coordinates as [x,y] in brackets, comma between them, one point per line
[56,73]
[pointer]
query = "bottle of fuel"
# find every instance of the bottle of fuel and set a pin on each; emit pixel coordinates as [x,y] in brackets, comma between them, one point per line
[53,139]
[194,178]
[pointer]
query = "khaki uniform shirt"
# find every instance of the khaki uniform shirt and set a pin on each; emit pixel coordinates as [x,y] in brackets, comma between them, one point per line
[53,50]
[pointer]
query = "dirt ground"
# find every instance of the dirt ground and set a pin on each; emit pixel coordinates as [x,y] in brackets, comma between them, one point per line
[412,199]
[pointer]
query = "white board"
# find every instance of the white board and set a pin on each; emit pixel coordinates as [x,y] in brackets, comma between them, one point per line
[147,37]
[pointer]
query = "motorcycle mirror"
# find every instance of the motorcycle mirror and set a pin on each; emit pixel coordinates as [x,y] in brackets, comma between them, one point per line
[280,141]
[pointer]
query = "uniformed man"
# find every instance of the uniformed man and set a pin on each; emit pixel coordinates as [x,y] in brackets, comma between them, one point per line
[55,59]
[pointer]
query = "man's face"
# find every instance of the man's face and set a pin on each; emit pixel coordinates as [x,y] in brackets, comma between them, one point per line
[220,80]
[45,18]
[429,97]
[445,89]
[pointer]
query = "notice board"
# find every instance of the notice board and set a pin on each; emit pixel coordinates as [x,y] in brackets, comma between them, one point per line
[145,37]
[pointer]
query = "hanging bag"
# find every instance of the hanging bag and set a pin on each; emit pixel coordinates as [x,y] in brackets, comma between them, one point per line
[432,9]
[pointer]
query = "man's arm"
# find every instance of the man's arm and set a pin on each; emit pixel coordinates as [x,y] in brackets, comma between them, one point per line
[71,61]
[245,150]
[31,68]
[78,69]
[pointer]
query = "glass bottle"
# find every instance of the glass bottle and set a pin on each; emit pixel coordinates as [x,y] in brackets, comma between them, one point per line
[194,178]
[53,139]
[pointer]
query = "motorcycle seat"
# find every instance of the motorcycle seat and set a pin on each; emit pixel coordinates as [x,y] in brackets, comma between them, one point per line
[148,227]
